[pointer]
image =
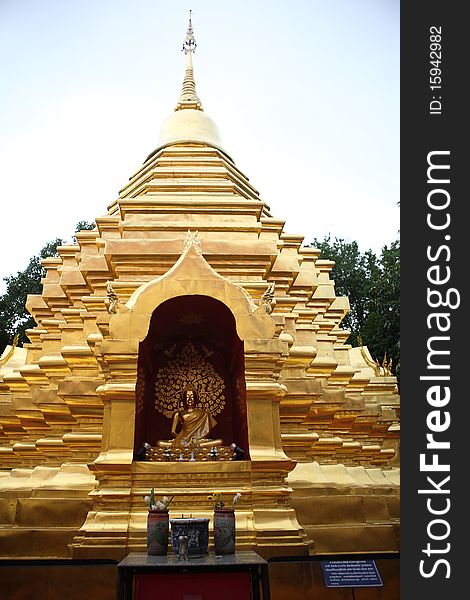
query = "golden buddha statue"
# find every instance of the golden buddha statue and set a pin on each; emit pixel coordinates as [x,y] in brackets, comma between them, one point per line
[195,423]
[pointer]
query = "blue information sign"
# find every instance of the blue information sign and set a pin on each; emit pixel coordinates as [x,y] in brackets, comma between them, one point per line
[350,573]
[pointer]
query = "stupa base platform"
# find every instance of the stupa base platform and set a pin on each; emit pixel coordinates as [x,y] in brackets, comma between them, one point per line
[265,521]
[339,509]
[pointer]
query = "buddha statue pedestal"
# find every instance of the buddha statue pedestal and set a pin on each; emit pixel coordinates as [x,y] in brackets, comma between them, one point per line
[190,452]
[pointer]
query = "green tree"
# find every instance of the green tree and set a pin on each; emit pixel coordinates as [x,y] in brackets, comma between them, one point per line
[14,318]
[381,330]
[372,285]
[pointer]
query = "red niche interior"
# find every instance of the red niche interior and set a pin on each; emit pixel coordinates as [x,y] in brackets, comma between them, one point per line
[207,327]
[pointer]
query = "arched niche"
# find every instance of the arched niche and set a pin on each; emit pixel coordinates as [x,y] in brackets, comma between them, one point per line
[191,340]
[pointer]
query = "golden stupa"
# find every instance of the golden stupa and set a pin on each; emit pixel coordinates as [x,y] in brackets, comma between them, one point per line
[188,280]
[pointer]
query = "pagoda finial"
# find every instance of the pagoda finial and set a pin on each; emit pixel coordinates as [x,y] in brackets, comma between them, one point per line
[189,97]
[189,44]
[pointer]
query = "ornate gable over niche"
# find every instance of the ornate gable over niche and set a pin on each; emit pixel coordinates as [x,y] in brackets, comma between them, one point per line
[190,275]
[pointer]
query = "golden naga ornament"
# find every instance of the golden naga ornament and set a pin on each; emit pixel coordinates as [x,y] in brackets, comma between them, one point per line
[11,351]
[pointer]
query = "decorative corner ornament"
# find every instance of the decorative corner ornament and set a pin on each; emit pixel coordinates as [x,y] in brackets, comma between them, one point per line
[267,300]
[192,239]
[9,354]
[113,299]
[380,370]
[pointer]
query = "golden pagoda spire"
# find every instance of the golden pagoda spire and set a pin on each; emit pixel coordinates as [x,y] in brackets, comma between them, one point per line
[189,97]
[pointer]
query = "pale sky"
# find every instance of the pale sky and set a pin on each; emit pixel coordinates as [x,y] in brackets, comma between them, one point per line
[305,95]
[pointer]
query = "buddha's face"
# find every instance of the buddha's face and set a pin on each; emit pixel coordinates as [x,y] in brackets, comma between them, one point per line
[190,398]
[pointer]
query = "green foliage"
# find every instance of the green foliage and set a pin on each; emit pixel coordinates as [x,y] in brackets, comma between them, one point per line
[372,285]
[82,225]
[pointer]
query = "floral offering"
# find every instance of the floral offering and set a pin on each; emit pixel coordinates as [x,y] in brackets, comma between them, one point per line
[216,498]
[153,504]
